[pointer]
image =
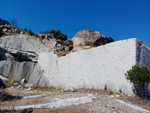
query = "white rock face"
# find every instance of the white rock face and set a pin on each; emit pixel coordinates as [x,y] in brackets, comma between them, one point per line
[94,68]
[19,55]
[24,43]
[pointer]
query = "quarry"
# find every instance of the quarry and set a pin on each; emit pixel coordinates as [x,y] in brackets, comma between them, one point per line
[94,66]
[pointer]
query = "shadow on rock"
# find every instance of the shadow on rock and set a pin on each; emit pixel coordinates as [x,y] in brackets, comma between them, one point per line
[8,97]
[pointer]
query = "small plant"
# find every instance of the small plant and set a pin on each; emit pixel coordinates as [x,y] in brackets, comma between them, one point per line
[120,91]
[42,36]
[25,29]
[105,88]
[111,39]
[69,43]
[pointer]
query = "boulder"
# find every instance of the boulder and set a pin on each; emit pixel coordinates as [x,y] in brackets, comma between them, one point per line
[2,85]
[89,38]
[23,81]
[28,85]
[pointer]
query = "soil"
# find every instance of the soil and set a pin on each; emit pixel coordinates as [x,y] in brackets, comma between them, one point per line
[105,102]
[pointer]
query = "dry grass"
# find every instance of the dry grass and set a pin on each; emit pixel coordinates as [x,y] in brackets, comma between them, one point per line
[142,102]
[44,88]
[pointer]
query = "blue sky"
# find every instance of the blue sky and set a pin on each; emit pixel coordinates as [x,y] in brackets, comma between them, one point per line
[120,19]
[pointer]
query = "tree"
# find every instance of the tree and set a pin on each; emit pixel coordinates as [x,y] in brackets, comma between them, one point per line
[139,76]
[4,22]
[58,34]
[13,22]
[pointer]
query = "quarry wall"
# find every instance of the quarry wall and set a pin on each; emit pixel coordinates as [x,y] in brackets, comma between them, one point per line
[102,67]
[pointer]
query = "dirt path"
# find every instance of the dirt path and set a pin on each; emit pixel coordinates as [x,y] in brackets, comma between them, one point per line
[68,102]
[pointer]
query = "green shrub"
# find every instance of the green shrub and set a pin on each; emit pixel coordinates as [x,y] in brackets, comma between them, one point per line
[139,76]
[25,29]
[69,43]
[111,39]
[31,33]
[36,35]
[58,34]
[42,36]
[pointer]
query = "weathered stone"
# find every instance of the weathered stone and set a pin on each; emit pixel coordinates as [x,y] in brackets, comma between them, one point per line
[69,90]
[23,81]
[16,84]
[28,85]
[88,38]
[29,88]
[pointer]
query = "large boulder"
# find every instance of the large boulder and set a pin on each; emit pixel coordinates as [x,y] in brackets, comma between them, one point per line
[88,38]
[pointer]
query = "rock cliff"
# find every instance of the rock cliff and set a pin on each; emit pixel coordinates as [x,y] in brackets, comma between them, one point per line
[23,56]
[19,56]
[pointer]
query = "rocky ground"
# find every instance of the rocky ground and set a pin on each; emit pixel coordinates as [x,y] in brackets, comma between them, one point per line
[80,101]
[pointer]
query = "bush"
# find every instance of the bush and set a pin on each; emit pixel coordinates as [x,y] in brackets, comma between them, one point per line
[25,29]
[58,34]
[139,76]
[69,43]
[42,36]
[111,39]
[31,33]
[36,35]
